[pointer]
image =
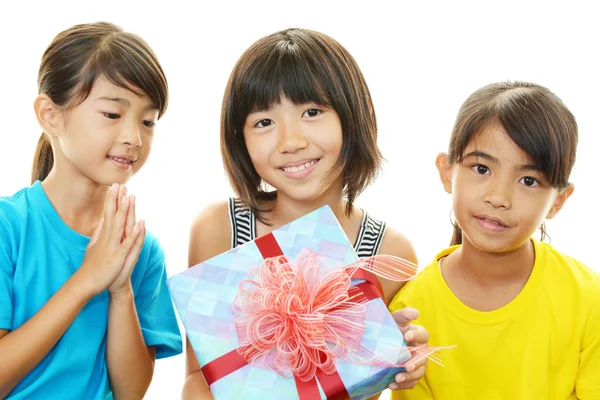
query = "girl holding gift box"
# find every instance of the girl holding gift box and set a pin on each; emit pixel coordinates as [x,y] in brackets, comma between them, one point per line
[297,118]
[525,317]
[75,321]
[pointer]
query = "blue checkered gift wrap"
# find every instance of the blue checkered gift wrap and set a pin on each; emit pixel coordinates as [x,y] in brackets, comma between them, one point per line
[203,296]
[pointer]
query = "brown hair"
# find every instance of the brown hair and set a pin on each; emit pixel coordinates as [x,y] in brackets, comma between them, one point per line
[533,117]
[77,56]
[303,66]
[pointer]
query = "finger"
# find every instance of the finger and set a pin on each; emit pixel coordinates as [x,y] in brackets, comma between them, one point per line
[129,242]
[405,316]
[130,221]
[118,226]
[134,253]
[110,205]
[417,361]
[122,193]
[407,380]
[416,335]
[96,233]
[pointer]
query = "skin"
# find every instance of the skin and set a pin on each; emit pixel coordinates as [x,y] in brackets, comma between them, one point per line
[111,121]
[496,181]
[289,135]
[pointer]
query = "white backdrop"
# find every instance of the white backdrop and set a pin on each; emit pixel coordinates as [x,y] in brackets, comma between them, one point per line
[421,61]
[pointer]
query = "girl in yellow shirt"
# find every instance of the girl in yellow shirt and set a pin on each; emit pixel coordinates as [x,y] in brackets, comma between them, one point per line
[525,318]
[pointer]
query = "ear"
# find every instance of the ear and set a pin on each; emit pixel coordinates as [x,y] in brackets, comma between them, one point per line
[47,114]
[560,201]
[445,171]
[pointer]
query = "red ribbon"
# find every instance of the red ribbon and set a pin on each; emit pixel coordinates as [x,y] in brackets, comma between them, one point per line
[332,384]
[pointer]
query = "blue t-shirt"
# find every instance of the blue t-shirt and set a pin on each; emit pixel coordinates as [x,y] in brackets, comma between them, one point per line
[38,254]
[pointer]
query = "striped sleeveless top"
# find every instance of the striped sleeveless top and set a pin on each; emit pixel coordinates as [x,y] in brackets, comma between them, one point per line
[243,229]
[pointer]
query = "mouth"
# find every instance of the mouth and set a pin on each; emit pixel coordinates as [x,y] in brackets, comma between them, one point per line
[122,162]
[299,169]
[491,223]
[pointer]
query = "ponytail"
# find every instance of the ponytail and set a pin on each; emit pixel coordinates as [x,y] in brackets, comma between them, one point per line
[456,236]
[43,160]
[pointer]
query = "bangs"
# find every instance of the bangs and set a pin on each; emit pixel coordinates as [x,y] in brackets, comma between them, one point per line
[285,72]
[126,61]
[535,120]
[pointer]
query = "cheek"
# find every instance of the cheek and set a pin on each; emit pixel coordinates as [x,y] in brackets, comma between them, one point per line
[259,150]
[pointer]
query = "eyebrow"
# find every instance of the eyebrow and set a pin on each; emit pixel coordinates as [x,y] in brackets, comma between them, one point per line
[125,102]
[486,156]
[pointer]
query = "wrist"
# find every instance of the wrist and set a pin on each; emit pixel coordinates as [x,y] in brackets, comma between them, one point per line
[123,293]
[80,287]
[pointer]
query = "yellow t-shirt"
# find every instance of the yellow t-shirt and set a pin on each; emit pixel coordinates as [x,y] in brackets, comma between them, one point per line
[543,345]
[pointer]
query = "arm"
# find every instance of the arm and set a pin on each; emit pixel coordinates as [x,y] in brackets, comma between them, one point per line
[24,348]
[587,384]
[210,236]
[130,362]
[395,244]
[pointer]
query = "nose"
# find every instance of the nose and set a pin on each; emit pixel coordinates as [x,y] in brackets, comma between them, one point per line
[291,137]
[499,193]
[131,135]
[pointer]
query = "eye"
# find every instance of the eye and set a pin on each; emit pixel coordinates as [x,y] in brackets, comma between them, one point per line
[529,181]
[263,123]
[111,115]
[481,169]
[149,124]
[312,112]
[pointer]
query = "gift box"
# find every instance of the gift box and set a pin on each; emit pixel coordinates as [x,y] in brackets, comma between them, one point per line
[209,299]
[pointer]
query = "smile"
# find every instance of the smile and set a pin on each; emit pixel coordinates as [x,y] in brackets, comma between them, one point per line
[121,160]
[301,167]
[121,163]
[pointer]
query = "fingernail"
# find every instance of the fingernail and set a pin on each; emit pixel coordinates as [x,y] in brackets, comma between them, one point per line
[113,187]
[125,199]
[409,336]
[136,228]
[410,368]
[393,386]
[400,378]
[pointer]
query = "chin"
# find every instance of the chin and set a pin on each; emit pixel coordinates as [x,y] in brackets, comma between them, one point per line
[495,245]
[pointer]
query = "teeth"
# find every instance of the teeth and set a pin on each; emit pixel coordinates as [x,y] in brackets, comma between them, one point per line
[300,167]
[121,160]
[493,222]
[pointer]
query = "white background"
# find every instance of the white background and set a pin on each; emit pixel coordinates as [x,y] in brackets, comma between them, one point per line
[421,61]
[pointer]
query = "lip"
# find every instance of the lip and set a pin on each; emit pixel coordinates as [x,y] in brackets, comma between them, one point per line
[119,164]
[298,163]
[123,156]
[490,223]
[299,174]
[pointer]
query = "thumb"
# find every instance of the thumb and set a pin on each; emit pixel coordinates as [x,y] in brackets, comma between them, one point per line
[404,317]
[96,233]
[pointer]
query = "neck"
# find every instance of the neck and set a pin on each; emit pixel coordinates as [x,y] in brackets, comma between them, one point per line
[78,200]
[492,269]
[286,209]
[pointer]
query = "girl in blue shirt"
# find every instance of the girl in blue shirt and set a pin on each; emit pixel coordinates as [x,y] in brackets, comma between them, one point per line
[84,309]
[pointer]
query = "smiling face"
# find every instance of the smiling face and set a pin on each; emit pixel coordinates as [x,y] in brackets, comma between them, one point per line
[107,138]
[499,195]
[295,148]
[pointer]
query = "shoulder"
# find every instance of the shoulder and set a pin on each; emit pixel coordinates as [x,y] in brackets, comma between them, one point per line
[397,244]
[423,290]
[210,233]
[560,264]
[152,249]
[13,213]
